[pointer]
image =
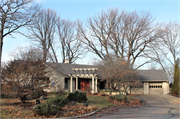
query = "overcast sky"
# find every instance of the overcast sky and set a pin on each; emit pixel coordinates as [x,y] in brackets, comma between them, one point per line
[161,10]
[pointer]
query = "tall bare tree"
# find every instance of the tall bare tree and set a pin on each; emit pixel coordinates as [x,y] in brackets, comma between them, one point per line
[166,49]
[42,31]
[15,14]
[70,45]
[122,34]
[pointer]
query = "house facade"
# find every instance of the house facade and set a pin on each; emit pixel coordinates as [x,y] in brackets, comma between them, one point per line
[71,77]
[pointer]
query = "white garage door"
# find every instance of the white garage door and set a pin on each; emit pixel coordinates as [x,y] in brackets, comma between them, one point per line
[155,88]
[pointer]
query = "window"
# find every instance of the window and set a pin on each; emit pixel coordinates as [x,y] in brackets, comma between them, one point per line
[66,84]
[157,86]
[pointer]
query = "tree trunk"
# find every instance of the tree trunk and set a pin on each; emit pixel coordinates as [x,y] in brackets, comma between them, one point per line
[1,43]
[22,98]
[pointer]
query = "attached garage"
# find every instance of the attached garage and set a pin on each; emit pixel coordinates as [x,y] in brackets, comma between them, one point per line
[155,82]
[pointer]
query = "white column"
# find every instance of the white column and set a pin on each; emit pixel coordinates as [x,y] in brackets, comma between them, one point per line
[76,83]
[71,84]
[96,84]
[92,84]
[146,87]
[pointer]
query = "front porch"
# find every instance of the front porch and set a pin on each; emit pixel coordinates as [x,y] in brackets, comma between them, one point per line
[84,79]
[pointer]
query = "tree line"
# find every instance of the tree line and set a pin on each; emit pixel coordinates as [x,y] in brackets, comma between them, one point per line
[128,35]
[131,36]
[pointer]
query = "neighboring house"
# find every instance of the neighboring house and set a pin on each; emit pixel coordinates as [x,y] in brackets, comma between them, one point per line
[65,76]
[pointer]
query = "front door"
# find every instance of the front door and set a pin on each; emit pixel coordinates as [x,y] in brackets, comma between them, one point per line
[84,84]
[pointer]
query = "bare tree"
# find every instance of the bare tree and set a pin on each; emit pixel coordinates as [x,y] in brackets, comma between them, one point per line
[23,75]
[42,31]
[122,34]
[70,45]
[166,49]
[117,73]
[15,14]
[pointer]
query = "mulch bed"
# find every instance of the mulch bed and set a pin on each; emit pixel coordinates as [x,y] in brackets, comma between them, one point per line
[70,110]
[78,109]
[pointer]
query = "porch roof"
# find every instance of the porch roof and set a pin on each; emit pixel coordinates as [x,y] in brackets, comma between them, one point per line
[67,69]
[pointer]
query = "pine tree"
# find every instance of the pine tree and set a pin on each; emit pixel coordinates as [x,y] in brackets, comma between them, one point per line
[175,86]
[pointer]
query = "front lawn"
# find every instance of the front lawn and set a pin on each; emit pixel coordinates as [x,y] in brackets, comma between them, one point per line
[12,107]
[99,101]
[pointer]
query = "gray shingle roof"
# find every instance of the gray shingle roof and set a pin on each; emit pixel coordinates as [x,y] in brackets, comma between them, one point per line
[66,69]
[152,75]
[145,75]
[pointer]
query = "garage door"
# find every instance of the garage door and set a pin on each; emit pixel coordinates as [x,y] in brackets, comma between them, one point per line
[137,90]
[155,88]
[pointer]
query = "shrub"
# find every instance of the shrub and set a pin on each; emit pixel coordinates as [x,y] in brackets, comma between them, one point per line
[58,100]
[119,98]
[37,109]
[47,109]
[38,93]
[51,106]
[77,96]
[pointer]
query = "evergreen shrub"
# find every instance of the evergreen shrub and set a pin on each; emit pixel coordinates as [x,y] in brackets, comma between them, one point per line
[77,96]
[51,106]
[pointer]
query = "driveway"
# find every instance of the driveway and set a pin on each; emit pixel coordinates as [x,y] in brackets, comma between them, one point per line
[154,107]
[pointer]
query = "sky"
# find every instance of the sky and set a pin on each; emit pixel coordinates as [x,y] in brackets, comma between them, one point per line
[162,10]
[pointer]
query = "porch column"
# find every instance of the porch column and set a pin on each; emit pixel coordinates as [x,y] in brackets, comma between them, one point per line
[71,83]
[76,83]
[96,84]
[92,83]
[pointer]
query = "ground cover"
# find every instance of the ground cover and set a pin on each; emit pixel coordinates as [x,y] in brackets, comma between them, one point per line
[12,107]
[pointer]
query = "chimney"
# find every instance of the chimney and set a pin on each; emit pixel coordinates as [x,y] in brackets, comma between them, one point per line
[66,61]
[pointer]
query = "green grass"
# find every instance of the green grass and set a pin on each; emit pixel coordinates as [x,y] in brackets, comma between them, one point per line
[99,101]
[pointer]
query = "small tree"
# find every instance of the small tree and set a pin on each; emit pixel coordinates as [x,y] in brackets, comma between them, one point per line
[117,73]
[175,86]
[22,76]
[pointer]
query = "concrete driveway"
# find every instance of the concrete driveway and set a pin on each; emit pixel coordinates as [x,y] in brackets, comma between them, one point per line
[154,107]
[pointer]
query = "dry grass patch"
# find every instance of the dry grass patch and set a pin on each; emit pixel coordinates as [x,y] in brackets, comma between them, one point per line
[12,108]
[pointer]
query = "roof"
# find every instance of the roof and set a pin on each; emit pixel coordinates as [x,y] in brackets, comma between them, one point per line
[66,69]
[145,75]
[152,75]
